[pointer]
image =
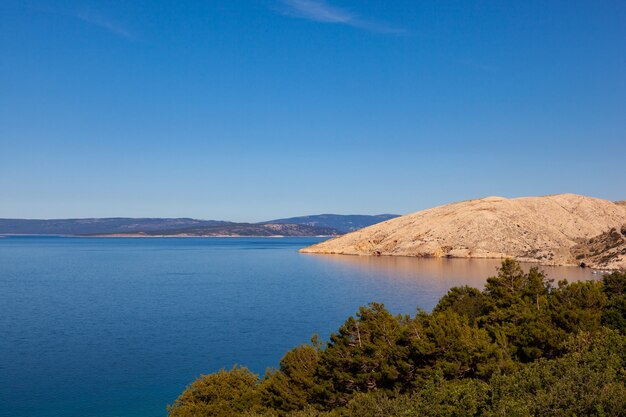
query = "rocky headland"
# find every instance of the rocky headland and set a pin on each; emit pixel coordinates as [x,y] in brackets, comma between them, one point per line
[563,229]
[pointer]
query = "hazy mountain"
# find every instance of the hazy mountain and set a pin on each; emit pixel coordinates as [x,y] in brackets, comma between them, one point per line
[343,223]
[545,229]
[324,224]
[249,229]
[98,226]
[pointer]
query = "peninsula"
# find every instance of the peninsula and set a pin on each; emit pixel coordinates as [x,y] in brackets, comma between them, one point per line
[563,229]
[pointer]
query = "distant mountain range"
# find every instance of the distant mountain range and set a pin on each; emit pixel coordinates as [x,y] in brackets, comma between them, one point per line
[248,229]
[320,225]
[343,223]
[98,226]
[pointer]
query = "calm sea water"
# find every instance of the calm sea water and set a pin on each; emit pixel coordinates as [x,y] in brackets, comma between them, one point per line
[118,327]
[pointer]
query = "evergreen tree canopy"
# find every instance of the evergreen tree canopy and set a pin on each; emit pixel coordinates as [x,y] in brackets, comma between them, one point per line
[520,347]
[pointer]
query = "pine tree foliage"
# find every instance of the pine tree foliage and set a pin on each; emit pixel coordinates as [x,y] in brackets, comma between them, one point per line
[521,347]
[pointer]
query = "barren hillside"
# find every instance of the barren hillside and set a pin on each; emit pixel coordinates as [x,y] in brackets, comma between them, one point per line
[541,229]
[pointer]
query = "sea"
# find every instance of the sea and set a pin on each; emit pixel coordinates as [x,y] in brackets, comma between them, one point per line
[118,327]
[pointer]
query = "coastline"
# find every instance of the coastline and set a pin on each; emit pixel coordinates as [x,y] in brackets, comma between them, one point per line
[308,251]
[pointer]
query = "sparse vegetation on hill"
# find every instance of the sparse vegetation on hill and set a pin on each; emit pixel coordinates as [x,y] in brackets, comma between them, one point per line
[524,346]
[607,250]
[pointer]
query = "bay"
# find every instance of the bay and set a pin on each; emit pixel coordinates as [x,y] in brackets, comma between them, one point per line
[108,327]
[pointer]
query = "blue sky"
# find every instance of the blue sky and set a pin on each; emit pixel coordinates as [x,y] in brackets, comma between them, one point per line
[251,110]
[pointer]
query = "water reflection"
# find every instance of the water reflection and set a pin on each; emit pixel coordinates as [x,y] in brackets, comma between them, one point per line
[445,272]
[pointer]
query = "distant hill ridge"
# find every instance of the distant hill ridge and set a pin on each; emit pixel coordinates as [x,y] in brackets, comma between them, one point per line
[343,223]
[317,225]
[98,225]
[250,230]
[563,229]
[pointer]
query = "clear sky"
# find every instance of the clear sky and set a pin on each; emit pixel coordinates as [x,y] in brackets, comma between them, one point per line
[252,110]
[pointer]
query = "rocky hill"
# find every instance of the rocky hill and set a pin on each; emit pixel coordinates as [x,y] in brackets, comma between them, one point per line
[564,229]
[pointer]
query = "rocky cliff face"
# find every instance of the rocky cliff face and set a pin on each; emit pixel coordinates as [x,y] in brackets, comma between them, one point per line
[541,229]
